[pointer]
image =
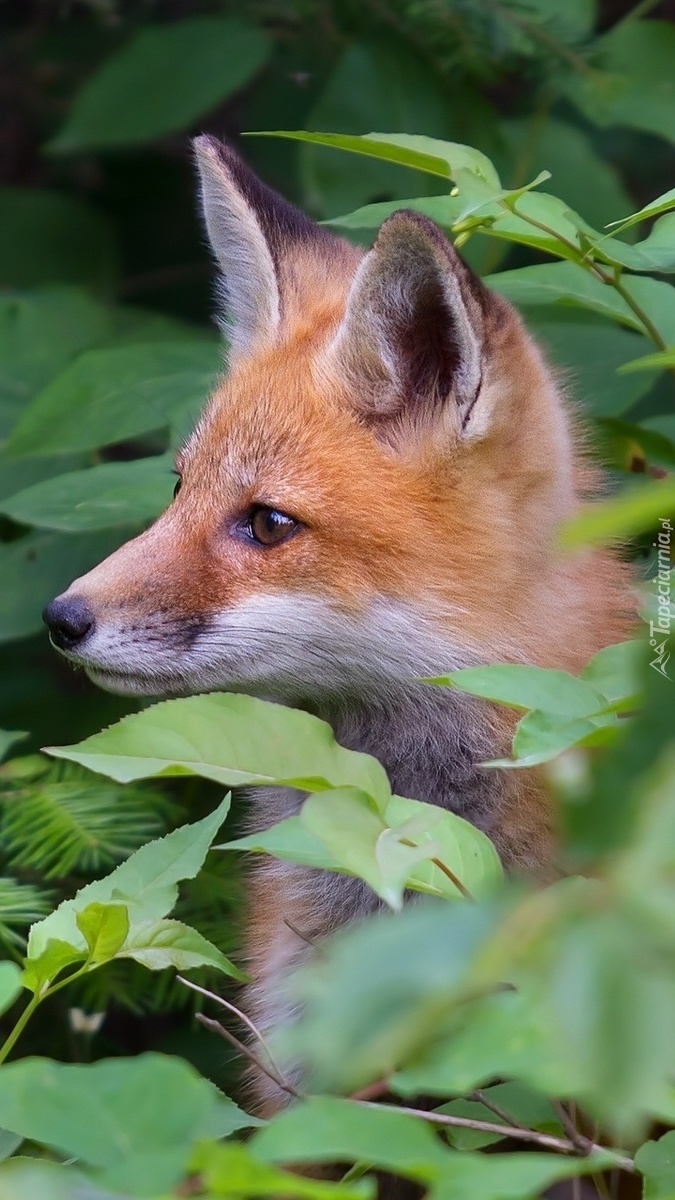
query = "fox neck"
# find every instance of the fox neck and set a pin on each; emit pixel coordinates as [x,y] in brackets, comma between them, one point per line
[431,742]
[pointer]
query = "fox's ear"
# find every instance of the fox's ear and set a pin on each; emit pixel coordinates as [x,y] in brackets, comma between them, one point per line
[412,338]
[254,234]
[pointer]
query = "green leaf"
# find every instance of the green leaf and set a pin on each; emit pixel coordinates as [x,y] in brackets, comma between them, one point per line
[656,1161]
[51,237]
[169,75]
[615,671]
[32,1178]
[324,1129]
[522,686]
[541,736]
[110,395]
[40,332]
[233,1171]
[39,566]
[91,1112]
[112,494]
[633,82]
[327,840]
[662,204]
[567,283]
[384,989]
[590,350]
[20,905]
[661,361]
[104,927]
[43,968]
[580,176]
[146,882]
[327,1129]
[655,253]
[431,155]
[633,511]
[523,1105]
[10,984]
[160,944]
[234,740]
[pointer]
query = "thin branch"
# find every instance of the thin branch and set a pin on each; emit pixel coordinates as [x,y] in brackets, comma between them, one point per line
[583,1144]
[495,1108]
[250,1025]
[304,937]
[562,1145]
[242,1048]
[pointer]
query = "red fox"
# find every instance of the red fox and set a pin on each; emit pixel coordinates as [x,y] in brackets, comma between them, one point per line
[371,497]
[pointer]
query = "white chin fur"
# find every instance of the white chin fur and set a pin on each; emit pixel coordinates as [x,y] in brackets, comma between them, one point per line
[283,646]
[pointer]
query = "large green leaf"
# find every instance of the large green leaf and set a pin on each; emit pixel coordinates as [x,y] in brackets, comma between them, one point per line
[40,332]
[232,1171]
[166,943]
[35,568]
[655,207]
[633,81]
[146,883]
[110,395]
[50,237]
[92,1112]
[656,1161]
[567,283]
[10,984]
[338,832]
[325,1129]
[522,686]
[112,494]
[235,740]
[168,74]
[385,989]
[431,155]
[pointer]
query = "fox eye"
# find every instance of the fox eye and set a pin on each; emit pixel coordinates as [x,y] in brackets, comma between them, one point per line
[176,487]
[269,526]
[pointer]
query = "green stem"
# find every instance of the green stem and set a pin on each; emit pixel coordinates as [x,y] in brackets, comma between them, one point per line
[20,1026]
[30,1008]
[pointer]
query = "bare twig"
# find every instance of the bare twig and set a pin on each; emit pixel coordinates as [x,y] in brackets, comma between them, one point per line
[562,1145]
[445,869]
[274,1071]
[215,1027]
[583,1144]
[495,1108]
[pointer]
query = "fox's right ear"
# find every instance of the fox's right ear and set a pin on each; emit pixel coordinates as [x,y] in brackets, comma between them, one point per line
[255,235]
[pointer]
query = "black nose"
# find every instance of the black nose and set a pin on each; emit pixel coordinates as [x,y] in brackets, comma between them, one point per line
[69,621]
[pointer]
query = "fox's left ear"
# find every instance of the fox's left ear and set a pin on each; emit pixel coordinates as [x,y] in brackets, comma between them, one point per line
[413,338]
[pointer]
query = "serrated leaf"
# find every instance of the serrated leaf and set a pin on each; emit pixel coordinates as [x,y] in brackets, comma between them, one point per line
[232,739]
[169,74]
[160,944]
[656,1162]
[146,883]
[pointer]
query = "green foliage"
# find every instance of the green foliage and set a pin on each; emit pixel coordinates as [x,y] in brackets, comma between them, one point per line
[520,128]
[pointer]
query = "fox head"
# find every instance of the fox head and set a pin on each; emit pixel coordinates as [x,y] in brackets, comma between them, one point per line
[371,491]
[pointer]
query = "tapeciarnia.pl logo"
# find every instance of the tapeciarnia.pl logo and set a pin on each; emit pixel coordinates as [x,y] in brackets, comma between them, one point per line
[659,629]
